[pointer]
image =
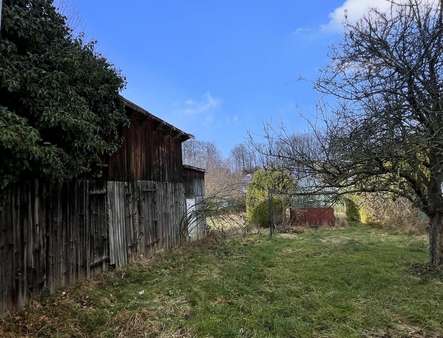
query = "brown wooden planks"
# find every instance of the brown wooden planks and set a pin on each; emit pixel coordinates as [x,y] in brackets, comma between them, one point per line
[54,234]
[116,205]
[149,152]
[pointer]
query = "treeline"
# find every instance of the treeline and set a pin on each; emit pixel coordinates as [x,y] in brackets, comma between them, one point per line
[243,180]
[222,174]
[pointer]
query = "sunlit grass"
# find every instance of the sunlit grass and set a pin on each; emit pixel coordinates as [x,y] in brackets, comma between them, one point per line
[348,282]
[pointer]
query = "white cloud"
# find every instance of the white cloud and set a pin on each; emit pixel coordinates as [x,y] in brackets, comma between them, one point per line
[354,10]
[206,104]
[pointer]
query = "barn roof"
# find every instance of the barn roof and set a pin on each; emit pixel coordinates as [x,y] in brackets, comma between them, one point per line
[193,168]
[129,104]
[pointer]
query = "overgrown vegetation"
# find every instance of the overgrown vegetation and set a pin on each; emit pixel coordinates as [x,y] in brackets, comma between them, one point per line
[352,211]
[265,182]
[348,282]
[385,211]
[382,210]
[258,215]
[60,110]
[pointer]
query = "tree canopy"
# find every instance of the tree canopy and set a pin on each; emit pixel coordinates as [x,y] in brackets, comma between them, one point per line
[60,110]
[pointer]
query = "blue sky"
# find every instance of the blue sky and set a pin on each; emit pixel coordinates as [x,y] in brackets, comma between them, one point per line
[217,69]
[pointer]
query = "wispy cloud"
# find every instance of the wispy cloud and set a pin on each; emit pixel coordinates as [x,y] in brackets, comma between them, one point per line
[206,104]
[350,10]
[202,111]
[354,10]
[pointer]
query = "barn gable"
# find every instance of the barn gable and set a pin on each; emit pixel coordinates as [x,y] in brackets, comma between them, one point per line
[151,149]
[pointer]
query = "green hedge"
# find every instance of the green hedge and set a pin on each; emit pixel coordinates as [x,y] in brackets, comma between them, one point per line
[352,210]
[259,214]
[280,183]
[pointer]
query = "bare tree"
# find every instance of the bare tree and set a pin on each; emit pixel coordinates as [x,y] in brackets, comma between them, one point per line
[193,153]
[67,9]
[387,133]
[244,159]
[219,176]
[223,202]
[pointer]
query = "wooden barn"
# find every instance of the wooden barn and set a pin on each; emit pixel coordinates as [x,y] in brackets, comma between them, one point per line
[54,234]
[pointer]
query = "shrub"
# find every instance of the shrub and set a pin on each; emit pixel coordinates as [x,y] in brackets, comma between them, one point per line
[259,214]
[263,181]
[382,210]
[352,210]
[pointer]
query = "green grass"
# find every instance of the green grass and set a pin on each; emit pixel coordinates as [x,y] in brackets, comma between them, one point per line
[349,282]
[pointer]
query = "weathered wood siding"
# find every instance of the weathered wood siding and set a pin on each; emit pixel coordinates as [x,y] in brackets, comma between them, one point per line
[118,243]
[150,151]
[52,235]
[194,181]
[144,216]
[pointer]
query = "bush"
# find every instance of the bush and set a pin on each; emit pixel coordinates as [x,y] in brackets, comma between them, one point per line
[384,211]
[352,210]
[263,181]
[259,214]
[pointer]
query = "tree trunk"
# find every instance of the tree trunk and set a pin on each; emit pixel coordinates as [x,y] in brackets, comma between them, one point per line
[436,239]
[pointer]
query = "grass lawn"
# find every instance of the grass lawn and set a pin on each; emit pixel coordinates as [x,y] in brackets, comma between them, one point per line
[348,282]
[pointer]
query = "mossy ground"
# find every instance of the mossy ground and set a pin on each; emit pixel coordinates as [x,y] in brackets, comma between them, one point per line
[347,282]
